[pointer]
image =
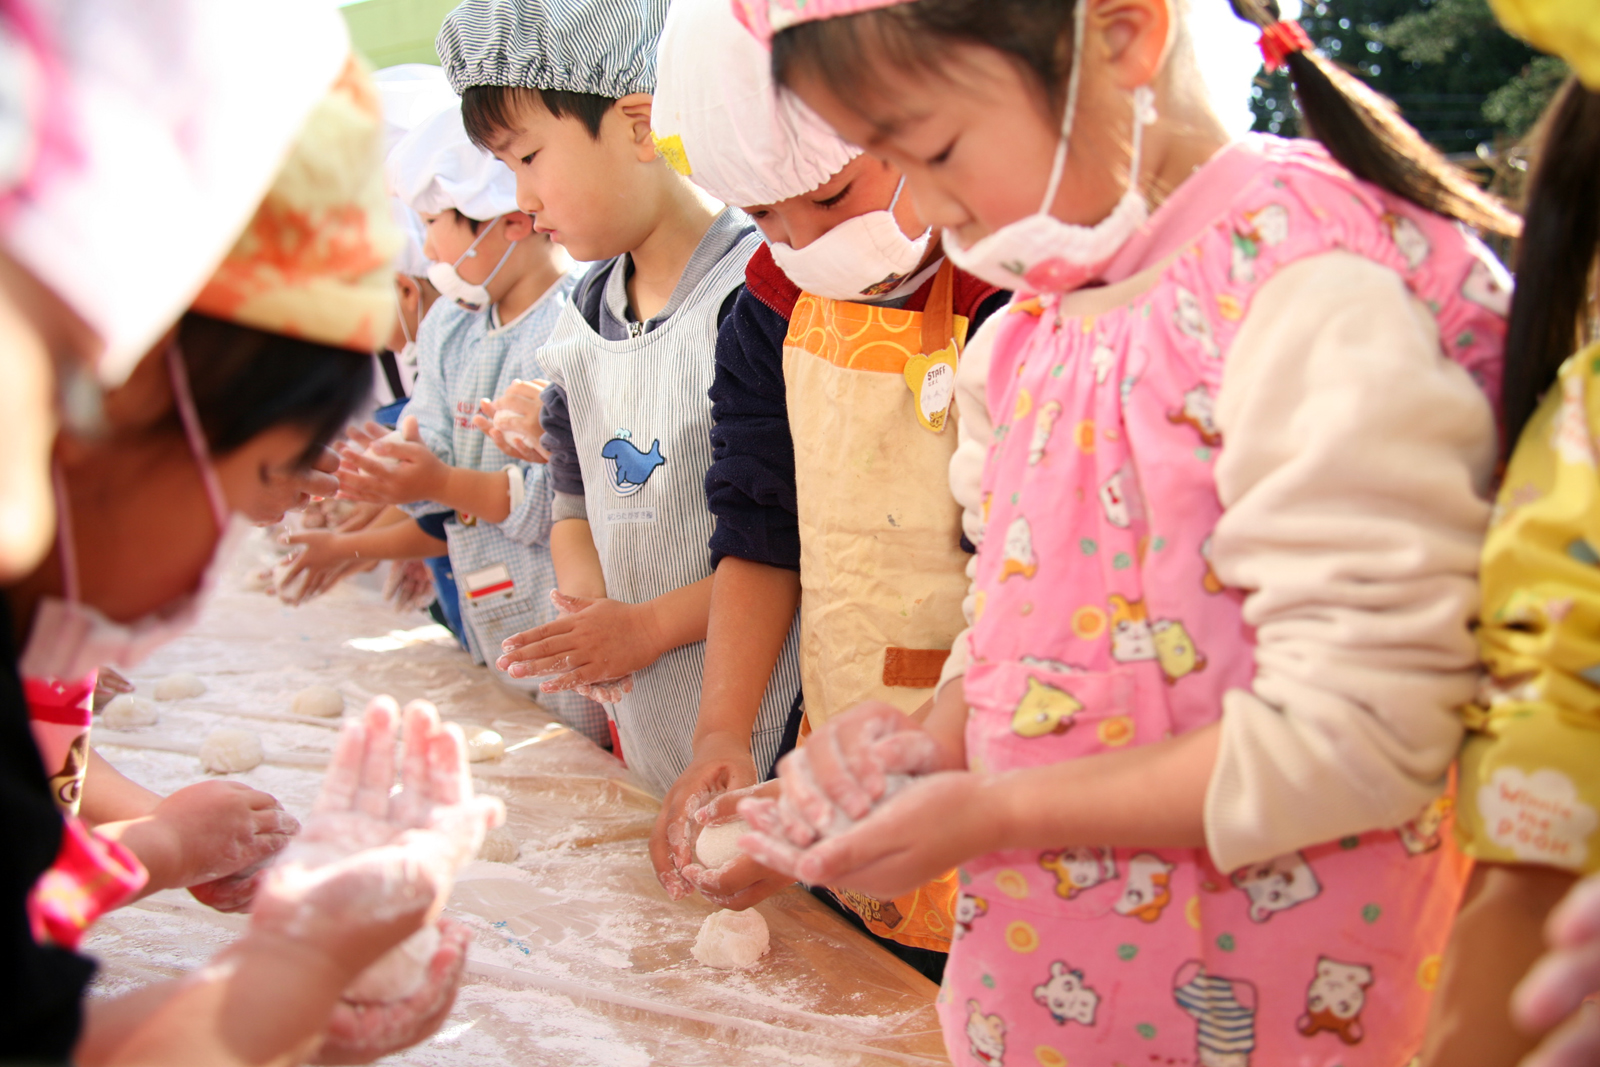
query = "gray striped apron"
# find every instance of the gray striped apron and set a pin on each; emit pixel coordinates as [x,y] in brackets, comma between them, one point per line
[641,420]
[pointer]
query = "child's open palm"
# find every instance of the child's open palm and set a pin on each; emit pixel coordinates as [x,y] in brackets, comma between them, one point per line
[391,471]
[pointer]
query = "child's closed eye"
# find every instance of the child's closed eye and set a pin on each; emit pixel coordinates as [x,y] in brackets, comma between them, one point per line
[944,156]
[833,201]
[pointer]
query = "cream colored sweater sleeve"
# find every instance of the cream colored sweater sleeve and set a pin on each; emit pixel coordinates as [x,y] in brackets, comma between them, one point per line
[974,434]
[1354,474]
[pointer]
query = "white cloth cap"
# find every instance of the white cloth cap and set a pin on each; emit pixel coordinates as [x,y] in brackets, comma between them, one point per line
[411,93]
[436,168]
[181,113]
[719,120]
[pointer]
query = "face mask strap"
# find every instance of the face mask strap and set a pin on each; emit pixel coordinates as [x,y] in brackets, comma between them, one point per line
[509,249]
[183,398]
[472,249]
[1059,167]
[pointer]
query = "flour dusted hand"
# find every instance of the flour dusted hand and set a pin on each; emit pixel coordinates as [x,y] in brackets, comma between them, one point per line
[848,769]
[370,869]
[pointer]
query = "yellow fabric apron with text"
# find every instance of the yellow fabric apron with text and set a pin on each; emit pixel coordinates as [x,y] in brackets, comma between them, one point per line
[882,571]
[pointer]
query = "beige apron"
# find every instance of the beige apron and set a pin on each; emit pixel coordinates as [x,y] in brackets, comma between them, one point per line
[882,571]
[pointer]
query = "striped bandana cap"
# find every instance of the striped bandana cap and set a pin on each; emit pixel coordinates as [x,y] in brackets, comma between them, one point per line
[768,18]
[316,261]
[604,47]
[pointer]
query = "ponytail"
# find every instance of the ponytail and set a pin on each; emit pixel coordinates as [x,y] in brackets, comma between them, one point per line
[1365,133]
[1551,310]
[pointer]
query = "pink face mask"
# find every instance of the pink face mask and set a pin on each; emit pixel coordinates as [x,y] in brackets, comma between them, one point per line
[70,638]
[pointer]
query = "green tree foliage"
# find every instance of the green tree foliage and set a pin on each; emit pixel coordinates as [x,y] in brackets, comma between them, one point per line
[1455,74]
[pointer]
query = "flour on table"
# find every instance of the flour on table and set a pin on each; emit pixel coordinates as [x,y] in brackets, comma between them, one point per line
[732,940]
[717,845]
[318,701]
[127,711]
[229,749]
[178,687]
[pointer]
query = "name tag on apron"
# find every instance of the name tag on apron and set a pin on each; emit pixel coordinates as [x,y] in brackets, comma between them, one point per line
[933,382]
[932,374]
[489,582]
[624,516]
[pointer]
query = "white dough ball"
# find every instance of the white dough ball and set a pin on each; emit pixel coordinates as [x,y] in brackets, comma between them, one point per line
[399,972]
[318,701]
[716,845]
[228,749]
[127,711]
[499,846]
[178,687]
[483,744]
[732,939]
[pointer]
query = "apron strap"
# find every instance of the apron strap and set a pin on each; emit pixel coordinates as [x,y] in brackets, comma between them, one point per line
[938,317]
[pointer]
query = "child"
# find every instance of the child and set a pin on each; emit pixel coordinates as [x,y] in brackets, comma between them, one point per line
[505,287]
[812,363]
[628,421]
[1529,787]
[1206,682]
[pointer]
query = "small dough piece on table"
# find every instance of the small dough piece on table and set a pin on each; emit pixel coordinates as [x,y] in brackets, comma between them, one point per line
[499,846]
[483,744]
[399,972]
[318,701]
[716,845]
[178,687]
[732,940]
[127,711]
[228,749]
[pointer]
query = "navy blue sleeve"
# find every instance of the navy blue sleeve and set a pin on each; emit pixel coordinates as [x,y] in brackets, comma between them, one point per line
[433,525]
[556,419]
[750,486]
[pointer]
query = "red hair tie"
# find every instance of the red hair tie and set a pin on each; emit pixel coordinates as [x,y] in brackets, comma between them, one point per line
[1281,39]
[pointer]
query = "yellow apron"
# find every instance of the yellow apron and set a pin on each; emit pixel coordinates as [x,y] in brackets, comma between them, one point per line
[882,571]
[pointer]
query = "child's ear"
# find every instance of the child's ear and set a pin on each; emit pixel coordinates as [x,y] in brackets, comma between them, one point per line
[1132,38]
[635,111]
[518,226]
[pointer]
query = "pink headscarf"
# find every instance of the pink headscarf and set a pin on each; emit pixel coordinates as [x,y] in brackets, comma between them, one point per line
[766,18]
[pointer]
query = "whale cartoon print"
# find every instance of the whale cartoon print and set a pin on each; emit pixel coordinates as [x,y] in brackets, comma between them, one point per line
[630,468]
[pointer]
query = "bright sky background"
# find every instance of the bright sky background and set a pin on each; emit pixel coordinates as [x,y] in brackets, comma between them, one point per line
[1229,58]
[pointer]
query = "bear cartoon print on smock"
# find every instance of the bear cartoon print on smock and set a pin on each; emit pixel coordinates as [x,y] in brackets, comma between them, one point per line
[1100,625]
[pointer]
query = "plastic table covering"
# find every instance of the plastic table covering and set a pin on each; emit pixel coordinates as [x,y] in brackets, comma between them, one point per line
[579,956]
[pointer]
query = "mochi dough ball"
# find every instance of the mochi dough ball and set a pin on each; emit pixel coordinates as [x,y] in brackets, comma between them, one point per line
[732,940]
[228,749]
[126,711]
[318,701]
[178,687]
[399,972]
[483,744]
[499,846]
[716,844]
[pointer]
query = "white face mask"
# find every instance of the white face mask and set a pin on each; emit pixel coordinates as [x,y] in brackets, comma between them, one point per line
[471,297]
[1040,253]
[70,638]
[864,257]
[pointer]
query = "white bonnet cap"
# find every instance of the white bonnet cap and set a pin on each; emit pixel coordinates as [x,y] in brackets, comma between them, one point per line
[436,168]
[719,121]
